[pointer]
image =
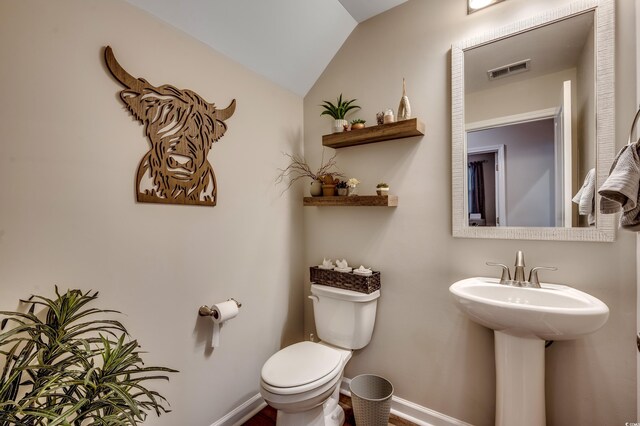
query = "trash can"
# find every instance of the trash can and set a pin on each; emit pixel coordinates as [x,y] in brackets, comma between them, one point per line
[371,399]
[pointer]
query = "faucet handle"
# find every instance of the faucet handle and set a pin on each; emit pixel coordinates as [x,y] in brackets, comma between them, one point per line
[506,275]
[533,275]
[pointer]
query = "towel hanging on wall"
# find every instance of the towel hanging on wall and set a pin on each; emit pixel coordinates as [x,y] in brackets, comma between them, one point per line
[585,197]
[619,192]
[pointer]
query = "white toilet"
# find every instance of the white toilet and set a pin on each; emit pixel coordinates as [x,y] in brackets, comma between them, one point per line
[302,381]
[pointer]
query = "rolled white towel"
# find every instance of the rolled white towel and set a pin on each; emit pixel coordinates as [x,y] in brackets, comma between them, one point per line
[326,264]
[362,271]
[342,263]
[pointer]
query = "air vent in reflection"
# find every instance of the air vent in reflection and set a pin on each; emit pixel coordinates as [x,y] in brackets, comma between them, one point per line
[510,69]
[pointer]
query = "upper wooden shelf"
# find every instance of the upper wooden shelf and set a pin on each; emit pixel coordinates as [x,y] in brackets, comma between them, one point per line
[383,132]
[353,200]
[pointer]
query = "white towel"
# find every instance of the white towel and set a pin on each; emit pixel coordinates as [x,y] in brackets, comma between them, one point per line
[585,197]
[620,190]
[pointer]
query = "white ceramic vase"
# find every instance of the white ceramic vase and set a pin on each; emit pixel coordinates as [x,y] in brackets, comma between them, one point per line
[338,125]
[316,188]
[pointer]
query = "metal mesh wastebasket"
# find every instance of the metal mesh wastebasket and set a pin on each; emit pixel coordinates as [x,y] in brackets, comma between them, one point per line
[371,399]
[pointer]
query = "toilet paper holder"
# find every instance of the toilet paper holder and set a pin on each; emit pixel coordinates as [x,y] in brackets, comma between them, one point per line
[206,311]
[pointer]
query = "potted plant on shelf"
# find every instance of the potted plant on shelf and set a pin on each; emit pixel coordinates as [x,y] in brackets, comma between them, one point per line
[338,111]
[298,169]
[70,364]
[342,188]
[382,189]
[329,184]
[358,123]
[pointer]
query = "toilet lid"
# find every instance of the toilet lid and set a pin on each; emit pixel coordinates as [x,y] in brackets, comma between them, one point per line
[299,364]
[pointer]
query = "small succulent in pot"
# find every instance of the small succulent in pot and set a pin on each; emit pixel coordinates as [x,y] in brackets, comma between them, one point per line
[358,123]
[342,188]
[382,188]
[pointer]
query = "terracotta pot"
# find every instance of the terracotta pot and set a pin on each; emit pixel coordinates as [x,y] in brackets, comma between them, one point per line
[328,190]
[357,126]
[328,180]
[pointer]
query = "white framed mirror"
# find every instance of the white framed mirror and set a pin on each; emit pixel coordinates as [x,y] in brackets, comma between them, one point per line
[532,113]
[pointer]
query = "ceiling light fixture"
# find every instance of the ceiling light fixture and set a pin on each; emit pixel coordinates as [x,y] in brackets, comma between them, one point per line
[476,5]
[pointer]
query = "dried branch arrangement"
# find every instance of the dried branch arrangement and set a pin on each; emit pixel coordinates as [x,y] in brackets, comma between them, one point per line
[298,168]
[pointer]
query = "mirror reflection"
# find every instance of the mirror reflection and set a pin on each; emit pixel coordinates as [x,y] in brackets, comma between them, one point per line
[530,127]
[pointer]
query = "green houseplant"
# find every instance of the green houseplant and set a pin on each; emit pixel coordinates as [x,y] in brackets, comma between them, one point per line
[64,366]
[341,187]
[338,112]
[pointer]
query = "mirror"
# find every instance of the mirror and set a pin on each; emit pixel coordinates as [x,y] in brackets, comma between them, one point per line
[532,119]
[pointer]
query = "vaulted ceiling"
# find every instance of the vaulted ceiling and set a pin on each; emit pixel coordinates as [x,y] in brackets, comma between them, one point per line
[290,42]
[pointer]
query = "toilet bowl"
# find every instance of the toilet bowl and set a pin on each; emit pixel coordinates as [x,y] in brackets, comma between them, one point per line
[302,381]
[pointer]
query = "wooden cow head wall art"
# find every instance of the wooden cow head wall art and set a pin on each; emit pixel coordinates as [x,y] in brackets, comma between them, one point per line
[181,127]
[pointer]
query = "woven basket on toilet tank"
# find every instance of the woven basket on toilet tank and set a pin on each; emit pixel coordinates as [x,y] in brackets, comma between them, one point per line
[346,280]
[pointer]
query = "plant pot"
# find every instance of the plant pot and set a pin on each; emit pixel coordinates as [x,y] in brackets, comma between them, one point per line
[338,125]
[357,126]
[328,190]
[382,191]
[342,191]
[316,188]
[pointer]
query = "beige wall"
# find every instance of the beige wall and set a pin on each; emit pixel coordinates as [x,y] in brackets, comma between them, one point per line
[525,96]
[69,152]
[68,215]
[431,352]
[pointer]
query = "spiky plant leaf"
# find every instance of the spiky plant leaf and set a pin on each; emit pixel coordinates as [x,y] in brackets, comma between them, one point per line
[72,368]
[338,110]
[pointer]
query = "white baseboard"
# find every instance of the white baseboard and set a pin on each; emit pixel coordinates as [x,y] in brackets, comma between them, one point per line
[243,412]
[400,407]
[413,412]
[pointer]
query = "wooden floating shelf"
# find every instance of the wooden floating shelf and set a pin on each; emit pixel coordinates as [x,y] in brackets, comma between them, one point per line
[383,132]
[353,200]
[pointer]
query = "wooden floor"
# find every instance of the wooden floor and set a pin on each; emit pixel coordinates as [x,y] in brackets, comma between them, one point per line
[267,416]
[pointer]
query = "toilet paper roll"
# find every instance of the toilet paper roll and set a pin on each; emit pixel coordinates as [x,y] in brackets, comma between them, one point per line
[224,311]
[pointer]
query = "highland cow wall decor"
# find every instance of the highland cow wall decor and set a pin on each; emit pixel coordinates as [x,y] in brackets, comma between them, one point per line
[181,128]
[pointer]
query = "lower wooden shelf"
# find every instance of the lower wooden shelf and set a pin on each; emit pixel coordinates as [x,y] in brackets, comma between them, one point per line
[353,200]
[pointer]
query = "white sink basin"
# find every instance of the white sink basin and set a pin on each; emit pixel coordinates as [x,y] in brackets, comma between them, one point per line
[553,312]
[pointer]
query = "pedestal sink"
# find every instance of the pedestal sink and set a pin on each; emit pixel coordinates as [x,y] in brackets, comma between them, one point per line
[522,319]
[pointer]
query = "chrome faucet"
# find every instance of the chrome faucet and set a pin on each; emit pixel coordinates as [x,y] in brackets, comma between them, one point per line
[518,273]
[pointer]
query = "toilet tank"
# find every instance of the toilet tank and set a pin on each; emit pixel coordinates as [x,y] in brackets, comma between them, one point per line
[344,318]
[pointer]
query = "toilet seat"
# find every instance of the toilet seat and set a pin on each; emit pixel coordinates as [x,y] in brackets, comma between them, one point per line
[301,367]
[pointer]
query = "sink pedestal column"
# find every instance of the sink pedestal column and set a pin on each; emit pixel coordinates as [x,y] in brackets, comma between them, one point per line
[519,380]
